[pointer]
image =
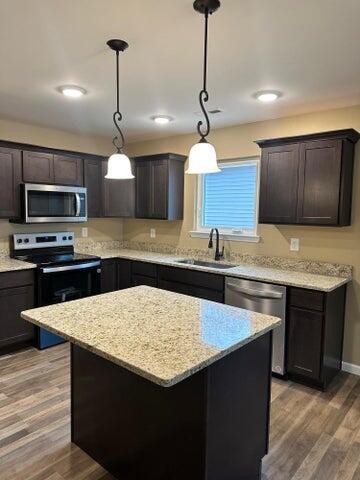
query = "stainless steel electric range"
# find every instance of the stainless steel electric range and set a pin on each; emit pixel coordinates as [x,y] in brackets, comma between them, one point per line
[62,274]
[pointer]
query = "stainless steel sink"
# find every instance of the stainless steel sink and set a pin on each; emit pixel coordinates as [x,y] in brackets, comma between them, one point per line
[200,263]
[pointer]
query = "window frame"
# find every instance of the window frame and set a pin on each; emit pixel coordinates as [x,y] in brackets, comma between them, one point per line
[245,235]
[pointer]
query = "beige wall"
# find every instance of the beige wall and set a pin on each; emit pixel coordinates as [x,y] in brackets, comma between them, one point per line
[100,229]
[320,243]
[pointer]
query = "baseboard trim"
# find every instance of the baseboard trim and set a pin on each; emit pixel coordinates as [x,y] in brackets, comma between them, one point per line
[351,368]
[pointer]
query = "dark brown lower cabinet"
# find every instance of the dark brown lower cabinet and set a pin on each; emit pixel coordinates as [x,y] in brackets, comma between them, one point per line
[137,280]
[305,332]
[143,273]
[124,273]
[315,335]
[208,286]
[109,275]
[14,331]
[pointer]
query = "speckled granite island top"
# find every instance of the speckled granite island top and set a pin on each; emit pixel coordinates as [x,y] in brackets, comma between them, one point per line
[162,336]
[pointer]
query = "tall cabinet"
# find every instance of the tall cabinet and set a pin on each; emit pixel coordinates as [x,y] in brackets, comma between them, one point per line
[10,179]
[307,180]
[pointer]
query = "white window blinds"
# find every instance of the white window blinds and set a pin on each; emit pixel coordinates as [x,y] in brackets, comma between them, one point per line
[229,198]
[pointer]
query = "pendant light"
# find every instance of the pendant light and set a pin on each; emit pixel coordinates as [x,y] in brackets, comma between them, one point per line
[119,166]
[202,156]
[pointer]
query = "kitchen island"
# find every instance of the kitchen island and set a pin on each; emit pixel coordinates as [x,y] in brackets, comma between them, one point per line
[166,386]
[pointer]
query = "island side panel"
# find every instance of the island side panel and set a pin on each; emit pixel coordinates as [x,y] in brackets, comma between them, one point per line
[133,427]
[238,412]
[212,425]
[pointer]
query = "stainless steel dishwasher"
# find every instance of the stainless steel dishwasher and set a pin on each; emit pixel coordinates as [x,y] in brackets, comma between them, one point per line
[262,298]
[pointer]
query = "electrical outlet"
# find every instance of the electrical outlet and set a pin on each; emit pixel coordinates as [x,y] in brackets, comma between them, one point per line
[84,232]
[294,244]
[152,233]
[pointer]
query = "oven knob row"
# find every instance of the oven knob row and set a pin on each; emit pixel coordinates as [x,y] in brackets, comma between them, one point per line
[19,240]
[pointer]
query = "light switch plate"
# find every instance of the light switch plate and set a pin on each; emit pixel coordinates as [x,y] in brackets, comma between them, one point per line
[294,244]
[84,231]
[152,233]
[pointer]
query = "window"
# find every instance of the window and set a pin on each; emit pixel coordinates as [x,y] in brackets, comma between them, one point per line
[229,201]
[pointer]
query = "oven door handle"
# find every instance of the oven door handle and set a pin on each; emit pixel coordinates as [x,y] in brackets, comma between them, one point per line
[78,205]
[67,268]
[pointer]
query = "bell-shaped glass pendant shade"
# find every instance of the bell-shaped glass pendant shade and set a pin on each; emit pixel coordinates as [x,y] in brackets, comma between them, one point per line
[202,159]
[119,167]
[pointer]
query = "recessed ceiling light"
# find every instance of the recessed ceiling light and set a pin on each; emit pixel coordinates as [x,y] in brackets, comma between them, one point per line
[267,96]
[162,119]
[72,91]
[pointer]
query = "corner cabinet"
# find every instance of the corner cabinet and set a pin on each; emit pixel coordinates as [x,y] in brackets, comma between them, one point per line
[307,180]
[118,196]
[160,186]
[93,181]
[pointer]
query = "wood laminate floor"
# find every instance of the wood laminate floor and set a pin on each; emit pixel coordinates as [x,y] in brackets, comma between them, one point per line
[314,436]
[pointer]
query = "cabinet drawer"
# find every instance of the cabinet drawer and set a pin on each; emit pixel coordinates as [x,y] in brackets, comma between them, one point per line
[191,277]
[206,280]
[143,268]
[310,299]
[17,278]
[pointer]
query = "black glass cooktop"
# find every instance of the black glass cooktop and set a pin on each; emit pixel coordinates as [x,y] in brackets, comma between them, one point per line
[57,258]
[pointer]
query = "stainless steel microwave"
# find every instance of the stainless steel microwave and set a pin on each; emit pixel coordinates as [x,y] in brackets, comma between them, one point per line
[52,204]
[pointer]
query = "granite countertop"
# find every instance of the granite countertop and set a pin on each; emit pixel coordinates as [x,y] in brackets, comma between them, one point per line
[325,283]
[159,335]
[8,264]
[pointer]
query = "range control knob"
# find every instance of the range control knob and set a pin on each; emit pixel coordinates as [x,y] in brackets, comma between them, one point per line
[64,238]
[19,240]
[70,237]
[26,240]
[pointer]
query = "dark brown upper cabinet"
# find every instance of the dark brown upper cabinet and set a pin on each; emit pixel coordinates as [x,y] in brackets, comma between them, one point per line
[93,182]
[118,196]
[279,181]
[160,186]
[307,180]
[42,167]
[38,167]
[10,179]
[68,170]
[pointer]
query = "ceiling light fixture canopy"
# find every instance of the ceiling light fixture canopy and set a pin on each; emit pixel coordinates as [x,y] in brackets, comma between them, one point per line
[119,165]
[72,91]
[202,156]
[162,119]
[267,96]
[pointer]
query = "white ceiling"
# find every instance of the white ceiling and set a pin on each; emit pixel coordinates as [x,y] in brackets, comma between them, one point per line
[307,49]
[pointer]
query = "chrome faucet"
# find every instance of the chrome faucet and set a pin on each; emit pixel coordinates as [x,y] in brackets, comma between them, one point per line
[218,255]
